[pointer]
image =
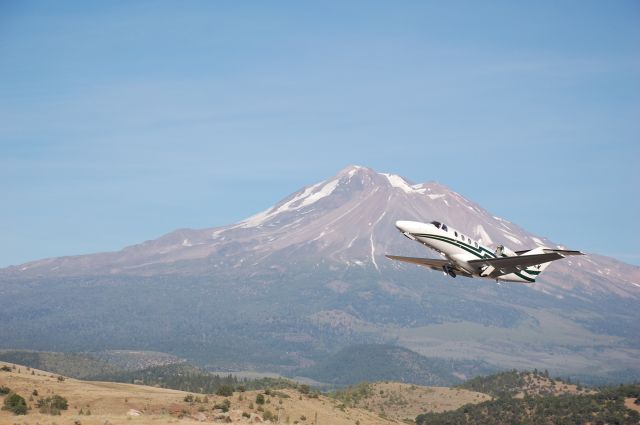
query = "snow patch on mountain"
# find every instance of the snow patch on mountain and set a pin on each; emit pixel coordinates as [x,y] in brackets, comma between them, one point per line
[325,191]
[353,170]
[483,235]
[307,197]
[512,238]
[318,237]
[373,253]
[537,241]
[397,181]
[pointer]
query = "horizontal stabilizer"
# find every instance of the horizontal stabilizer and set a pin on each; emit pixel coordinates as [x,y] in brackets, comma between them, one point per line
[563,252]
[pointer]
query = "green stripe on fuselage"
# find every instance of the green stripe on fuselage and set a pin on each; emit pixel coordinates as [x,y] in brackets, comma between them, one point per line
[480,252]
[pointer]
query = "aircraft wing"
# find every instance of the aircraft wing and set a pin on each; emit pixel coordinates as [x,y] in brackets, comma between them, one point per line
[506,265]
[429,262]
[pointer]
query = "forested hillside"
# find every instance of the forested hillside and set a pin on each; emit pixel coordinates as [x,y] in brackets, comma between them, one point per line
[67,364]
[380,362]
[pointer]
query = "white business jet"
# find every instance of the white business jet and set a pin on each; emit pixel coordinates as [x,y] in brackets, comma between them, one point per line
[467,257]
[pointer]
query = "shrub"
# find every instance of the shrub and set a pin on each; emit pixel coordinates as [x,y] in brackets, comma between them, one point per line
[260,399]
[15,404]
[269,416]
[224,406]
[5,390]
[304,389]
[52,405]
[225,391]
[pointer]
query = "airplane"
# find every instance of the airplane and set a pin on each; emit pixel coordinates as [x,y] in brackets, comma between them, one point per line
[466,257]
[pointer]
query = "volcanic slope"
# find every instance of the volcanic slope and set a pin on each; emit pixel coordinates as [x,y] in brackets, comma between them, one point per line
[348,220]
[308,277]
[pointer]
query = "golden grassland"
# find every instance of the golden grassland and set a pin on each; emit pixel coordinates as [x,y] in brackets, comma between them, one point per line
[402,402]
[117,403]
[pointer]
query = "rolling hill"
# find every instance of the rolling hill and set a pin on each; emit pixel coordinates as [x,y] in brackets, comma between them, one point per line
[517,399]
[97,403]
[380,362]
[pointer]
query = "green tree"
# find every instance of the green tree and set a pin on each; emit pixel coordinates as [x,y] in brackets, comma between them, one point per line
[225,391]
[304,389]
[16,404]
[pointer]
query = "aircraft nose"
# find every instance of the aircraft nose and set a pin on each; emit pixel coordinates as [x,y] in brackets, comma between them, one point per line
[402,225]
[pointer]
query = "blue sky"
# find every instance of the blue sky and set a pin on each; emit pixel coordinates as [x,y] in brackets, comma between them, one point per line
[122,121]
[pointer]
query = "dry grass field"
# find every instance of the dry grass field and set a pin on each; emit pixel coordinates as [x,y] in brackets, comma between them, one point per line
[399,401]
[105,403]
[115,403]
[629,403]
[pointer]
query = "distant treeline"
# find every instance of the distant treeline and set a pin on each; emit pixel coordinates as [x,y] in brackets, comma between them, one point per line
[186,377]
[178,376]
[68,364]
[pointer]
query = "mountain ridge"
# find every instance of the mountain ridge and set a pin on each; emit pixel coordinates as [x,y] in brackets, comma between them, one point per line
[325,220]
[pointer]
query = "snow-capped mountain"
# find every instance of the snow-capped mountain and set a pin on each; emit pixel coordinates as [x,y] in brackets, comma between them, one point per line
[285,287]
[347,221]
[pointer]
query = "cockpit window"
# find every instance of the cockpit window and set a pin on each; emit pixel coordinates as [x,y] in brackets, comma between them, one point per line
[444,227]
[436,223]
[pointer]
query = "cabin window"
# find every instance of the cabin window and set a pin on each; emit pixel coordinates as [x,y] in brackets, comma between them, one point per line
[456,234]
[476,244]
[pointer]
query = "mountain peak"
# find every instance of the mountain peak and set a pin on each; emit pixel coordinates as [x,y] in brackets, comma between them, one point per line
[390,180]
[347,219]
[350,170]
